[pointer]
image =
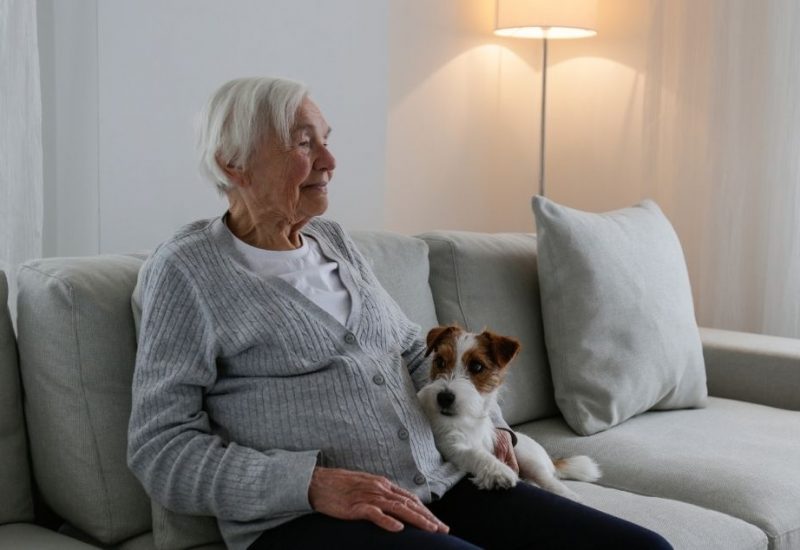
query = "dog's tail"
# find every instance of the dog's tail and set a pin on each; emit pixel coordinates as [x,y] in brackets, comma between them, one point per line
[580,468]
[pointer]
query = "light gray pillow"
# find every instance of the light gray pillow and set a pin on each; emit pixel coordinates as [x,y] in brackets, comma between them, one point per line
[619,321]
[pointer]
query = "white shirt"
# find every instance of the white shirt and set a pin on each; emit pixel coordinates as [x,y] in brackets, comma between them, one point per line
[306,269]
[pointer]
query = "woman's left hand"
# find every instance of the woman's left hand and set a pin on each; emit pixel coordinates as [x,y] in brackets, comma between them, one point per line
[504,449]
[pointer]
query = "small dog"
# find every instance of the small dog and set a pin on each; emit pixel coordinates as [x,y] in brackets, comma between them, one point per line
[466,372]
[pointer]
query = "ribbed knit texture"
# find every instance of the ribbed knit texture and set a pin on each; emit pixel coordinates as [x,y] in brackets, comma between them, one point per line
[226,355]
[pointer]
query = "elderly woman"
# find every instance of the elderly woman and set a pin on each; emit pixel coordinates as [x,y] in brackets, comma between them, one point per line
[275,383]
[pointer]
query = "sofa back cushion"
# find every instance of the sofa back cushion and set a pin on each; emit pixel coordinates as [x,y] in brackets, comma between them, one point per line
[77,348]
[490,281]
[401,265]
[16,503]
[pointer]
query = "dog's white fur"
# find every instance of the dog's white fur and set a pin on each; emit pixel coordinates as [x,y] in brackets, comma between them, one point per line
[465,435]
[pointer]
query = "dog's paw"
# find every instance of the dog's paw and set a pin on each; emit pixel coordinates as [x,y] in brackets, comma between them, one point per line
[498,476]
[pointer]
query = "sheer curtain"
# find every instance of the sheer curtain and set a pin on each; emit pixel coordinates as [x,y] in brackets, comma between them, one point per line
[20,137]
[723,147]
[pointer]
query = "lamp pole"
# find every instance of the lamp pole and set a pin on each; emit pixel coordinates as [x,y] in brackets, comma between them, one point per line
[543,117]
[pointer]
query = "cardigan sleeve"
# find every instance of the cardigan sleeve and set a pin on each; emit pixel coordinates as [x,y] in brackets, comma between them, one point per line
[172,449]
[418,364]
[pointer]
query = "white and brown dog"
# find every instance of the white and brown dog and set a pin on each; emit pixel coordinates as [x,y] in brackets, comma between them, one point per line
[466,371]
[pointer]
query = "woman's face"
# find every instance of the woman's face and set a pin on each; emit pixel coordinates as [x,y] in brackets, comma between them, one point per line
[292,181]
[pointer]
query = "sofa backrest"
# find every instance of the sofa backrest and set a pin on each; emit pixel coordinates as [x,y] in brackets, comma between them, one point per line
[482,280]
[77,348]
[16,502]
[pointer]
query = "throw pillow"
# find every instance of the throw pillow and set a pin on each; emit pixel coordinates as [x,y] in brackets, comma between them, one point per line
[618,315]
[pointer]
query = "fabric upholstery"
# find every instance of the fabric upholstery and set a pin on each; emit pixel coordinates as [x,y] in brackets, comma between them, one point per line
[618,314]
[401,265]
[685,526]
[482,281]
[77,347]
[16,536]
[737,458]
[16,503]
[752,367]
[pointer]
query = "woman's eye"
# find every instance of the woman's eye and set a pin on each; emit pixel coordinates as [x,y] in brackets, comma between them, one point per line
[475,367]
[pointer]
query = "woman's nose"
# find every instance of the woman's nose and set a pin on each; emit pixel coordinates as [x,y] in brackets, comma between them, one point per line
[325,161]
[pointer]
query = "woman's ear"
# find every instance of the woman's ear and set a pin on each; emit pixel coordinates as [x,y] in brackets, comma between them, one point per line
[235,175]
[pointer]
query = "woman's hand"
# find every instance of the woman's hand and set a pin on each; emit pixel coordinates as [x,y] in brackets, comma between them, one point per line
[504,449]
[346,494]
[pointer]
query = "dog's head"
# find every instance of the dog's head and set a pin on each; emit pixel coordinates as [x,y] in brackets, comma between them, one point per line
[466,370]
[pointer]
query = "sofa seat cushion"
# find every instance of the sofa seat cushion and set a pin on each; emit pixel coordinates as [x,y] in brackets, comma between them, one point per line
[685,526]
[16,502]
[25,535]
[738,458]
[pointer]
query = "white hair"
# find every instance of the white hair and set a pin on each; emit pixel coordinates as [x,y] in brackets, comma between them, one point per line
[237,119]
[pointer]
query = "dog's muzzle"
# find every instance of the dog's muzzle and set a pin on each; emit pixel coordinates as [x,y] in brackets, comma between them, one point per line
[445,399]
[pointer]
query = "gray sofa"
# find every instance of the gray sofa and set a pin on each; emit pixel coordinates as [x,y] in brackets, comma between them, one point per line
[726,476]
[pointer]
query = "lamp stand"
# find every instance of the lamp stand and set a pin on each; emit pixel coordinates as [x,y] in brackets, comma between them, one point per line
[542,118]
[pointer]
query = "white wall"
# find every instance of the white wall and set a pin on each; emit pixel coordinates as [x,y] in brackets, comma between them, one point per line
[126,79]
[68,64]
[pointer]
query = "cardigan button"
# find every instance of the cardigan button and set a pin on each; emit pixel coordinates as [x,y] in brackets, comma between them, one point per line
[350,338]
[379,379]
[419,479]
[402,433]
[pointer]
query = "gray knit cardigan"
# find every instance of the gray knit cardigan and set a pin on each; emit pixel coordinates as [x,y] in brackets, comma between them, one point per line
[243,385]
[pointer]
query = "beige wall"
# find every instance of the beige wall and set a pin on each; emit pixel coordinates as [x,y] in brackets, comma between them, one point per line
[463,128]
[461,143]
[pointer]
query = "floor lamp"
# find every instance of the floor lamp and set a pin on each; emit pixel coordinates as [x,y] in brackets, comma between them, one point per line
[545,19]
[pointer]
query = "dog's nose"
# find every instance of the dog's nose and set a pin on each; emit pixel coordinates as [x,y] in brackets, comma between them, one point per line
[445,398]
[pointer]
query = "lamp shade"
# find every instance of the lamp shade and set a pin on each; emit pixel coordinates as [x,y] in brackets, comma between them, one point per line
[546,18]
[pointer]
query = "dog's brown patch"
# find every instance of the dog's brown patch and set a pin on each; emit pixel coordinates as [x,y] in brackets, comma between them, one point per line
[486,375]
[442,342]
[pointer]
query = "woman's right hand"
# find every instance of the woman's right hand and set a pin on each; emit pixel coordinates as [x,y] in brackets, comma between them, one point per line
[346,494]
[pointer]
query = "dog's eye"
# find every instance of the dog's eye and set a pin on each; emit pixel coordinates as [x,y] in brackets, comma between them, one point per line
[438,363]
[475,367]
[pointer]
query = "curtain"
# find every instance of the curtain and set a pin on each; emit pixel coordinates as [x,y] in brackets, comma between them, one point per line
[20,137]
[723,150]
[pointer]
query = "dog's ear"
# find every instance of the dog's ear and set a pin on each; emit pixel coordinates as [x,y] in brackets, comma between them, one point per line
[503,348]
[436,335]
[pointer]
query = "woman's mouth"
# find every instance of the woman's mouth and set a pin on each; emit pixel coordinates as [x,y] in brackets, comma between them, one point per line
[322,187]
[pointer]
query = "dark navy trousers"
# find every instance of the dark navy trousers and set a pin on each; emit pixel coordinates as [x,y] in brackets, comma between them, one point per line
[523,517]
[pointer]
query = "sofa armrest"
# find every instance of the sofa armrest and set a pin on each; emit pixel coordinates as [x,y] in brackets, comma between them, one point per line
[752,367]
